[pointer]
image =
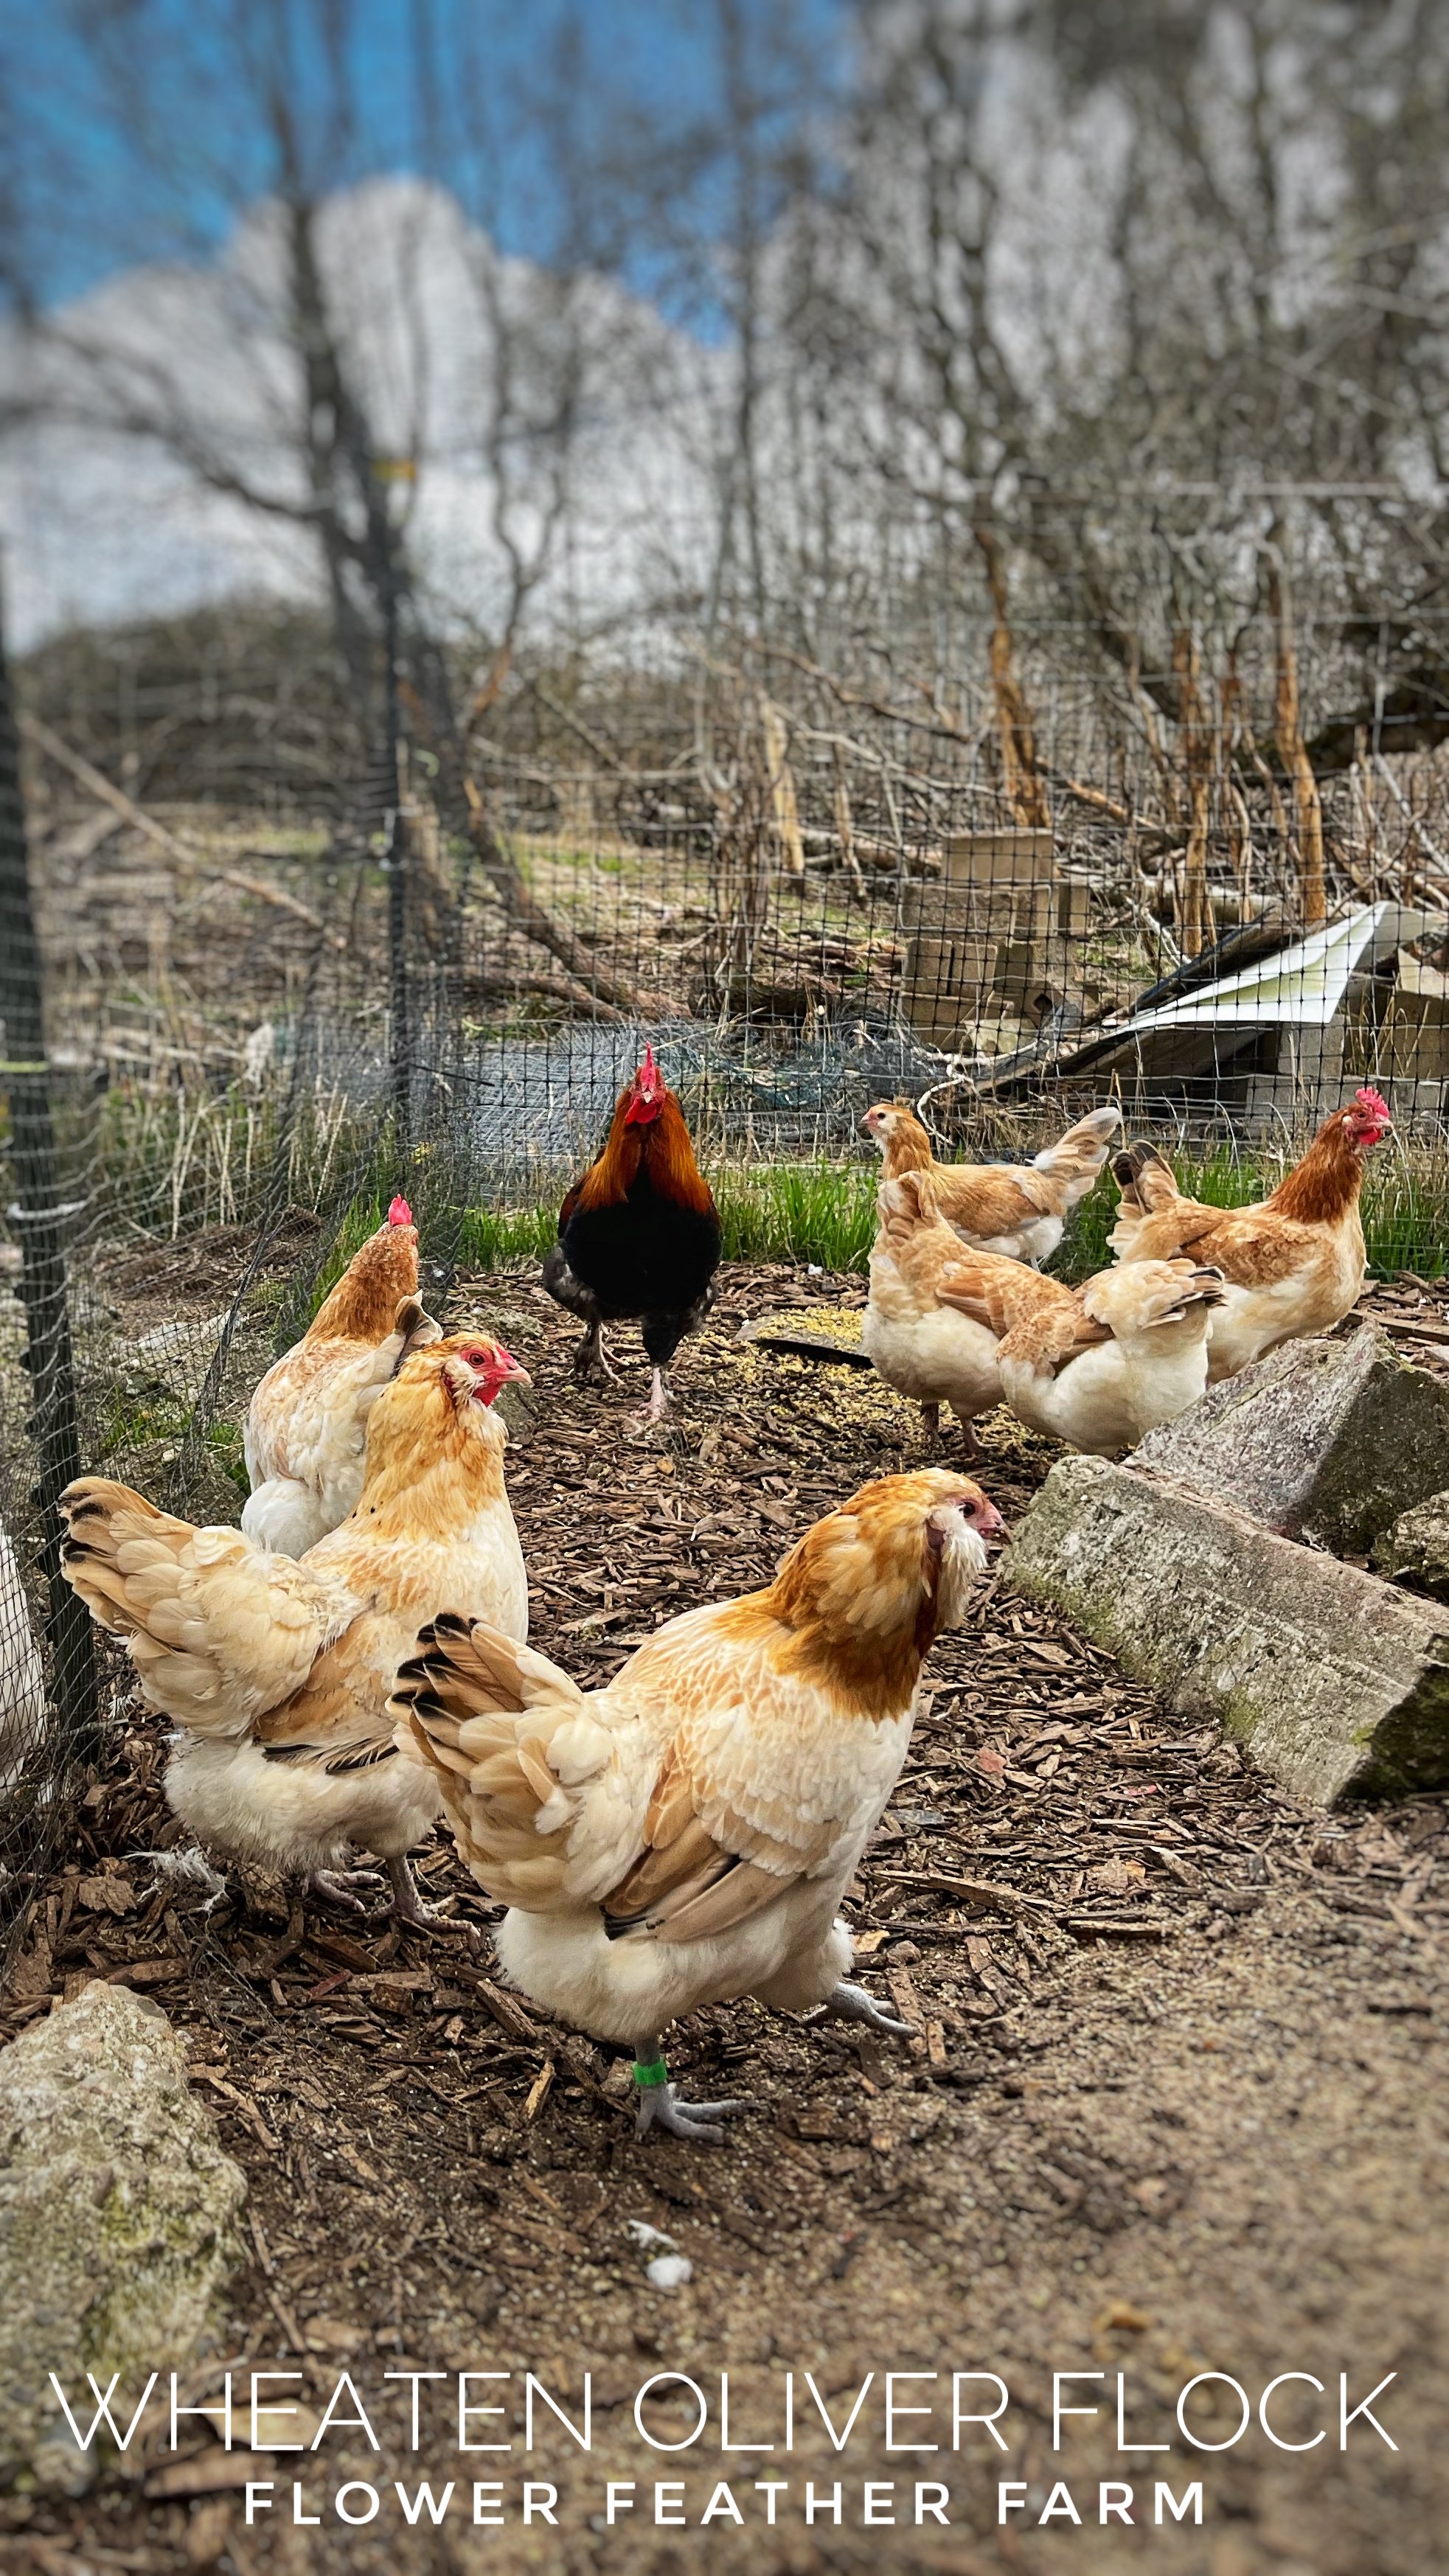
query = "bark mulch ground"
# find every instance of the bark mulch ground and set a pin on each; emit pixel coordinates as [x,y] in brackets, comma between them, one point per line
[1174,2105]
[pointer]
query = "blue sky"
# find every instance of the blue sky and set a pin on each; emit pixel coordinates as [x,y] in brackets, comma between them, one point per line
[154,151]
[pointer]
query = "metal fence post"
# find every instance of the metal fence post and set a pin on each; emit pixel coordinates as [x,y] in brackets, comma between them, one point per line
[39,1216]
[399,861]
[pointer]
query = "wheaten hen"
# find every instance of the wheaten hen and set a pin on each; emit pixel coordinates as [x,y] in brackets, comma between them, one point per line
[685,1836]
[307,1420]
[1016,1209]
[927,1342]
[275,1670]
[1103,1365]
[1294,1264]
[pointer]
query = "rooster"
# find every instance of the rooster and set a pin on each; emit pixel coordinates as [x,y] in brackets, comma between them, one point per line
[925,1341]
[685,1836]
[1294,1264]
[1016,1209]
[307,1420]
[276,1673]
[638,1236]
[1101,1365]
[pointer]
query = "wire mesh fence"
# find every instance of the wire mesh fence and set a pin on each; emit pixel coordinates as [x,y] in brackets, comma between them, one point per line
[283,948]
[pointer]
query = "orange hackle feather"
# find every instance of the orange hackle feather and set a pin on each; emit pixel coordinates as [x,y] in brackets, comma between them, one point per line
[1328,1180]
[662,1148]
[858,1594]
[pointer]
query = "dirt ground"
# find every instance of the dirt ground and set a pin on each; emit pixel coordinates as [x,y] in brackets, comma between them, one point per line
[1176,2104]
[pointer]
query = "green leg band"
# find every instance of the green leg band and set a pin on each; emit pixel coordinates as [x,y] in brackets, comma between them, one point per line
[645,2076]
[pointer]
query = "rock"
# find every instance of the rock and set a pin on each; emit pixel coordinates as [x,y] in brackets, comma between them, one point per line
[117,2214]
[1329,1441]
[1337,1682]
[1416,1550]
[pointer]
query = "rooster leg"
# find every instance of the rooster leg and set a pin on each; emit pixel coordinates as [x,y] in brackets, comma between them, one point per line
[337,1886]
[659,1399]
[661,2108]
[852,2003]
[931,1424]
[968,1434]
[589,1360]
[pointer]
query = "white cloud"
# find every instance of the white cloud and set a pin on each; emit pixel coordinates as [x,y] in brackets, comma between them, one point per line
[101,522]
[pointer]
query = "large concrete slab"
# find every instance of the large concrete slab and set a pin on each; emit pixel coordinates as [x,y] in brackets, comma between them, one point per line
[1325,1440]
[1339,1683]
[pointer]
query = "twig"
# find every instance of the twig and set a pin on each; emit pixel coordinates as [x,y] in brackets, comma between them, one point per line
[1430,847]
[98,785]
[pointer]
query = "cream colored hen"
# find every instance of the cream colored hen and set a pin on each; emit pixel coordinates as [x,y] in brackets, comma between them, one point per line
[1104,1364]
[276,1671]
[926,1340]
[1016,1209]
[685,1836]
[307,1421]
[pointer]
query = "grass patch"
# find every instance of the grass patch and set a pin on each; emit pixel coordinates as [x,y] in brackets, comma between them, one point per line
[821,1212]
[489,1237]
[825,1213]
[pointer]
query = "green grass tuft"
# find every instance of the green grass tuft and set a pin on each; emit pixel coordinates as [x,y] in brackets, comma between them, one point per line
[489,1237]
[826,1213]
[821,1212]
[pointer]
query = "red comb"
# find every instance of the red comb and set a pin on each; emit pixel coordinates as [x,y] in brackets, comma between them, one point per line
[399,1213]
[1373,1101]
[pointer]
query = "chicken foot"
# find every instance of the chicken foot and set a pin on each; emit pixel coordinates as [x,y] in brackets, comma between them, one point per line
[852,2003]
[337,1886]
[410,1906]
[658,1404]
[661,2108]
[590,1364]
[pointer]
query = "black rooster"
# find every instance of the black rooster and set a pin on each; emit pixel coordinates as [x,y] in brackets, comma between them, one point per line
[639,1235]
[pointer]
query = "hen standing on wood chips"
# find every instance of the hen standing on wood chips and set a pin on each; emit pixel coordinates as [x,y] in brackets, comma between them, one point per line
[638,1236]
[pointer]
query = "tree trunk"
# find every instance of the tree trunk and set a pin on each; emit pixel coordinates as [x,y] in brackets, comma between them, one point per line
[1195,922]
[1022,783]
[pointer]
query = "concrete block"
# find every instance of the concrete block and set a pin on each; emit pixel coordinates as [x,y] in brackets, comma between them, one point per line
[1328,1441]
[1337,1683]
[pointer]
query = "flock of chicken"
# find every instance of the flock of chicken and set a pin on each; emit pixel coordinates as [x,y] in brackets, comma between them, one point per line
[956,1316]
[352,1662]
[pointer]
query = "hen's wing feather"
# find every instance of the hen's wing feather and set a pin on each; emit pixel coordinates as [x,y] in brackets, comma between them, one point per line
[219,1630]
[666,1800]
[1049,1339]
[999,1294]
